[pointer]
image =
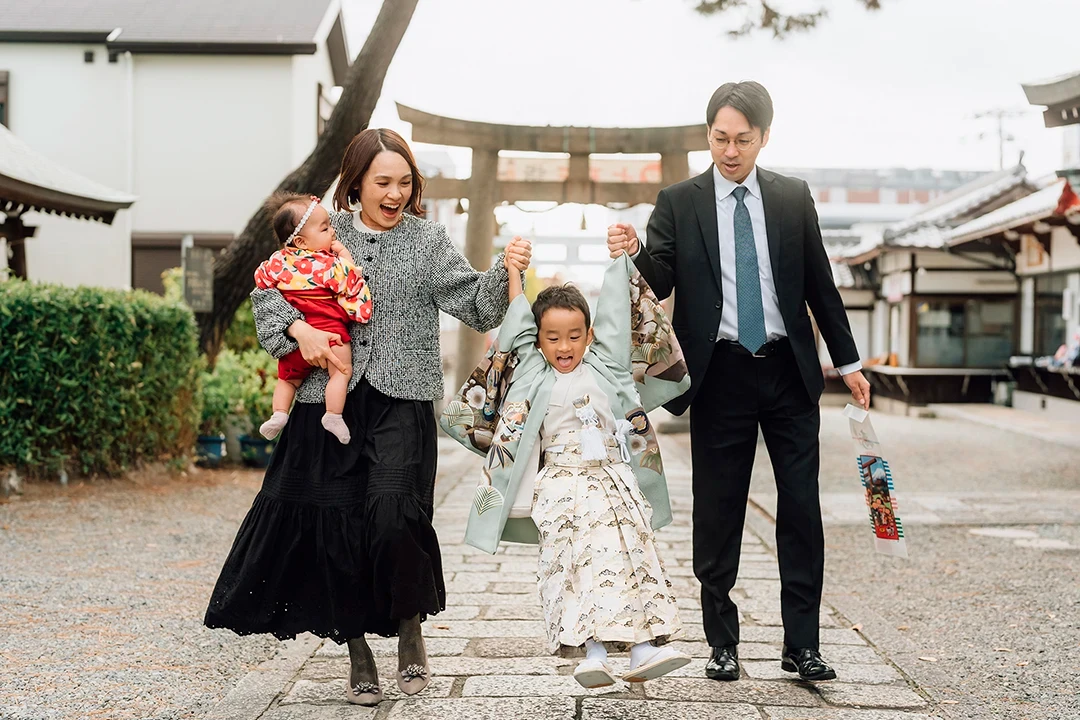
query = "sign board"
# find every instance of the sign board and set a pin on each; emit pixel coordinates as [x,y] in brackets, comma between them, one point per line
[198,270]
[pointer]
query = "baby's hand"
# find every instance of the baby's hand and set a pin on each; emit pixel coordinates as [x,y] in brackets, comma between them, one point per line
[337,248]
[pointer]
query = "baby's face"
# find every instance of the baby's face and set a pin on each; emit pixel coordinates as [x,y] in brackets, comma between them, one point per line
[318,234]
[563,338]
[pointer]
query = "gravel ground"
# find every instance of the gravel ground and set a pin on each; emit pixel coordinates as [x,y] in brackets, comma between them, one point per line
[103,587]
[974,620]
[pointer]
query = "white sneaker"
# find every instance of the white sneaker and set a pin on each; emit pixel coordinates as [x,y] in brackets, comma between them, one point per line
[594,674]
[661,662]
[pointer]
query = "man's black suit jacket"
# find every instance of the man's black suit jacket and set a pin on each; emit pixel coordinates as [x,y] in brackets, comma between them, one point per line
[683,254]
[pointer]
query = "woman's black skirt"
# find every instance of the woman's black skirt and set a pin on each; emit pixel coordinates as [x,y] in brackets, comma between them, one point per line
[339,540]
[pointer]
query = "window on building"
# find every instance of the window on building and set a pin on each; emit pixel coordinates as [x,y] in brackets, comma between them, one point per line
[965,332]
[1049,324]
[4,113]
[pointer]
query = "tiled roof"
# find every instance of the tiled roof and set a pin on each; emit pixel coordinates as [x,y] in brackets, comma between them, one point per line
[31,180]
[1036,206]
[946,210]
[273,22]
[842,275]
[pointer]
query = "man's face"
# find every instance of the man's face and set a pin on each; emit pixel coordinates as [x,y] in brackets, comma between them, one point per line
[734,144]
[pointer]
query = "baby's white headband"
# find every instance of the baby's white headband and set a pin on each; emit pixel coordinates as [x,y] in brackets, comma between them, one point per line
[304,219]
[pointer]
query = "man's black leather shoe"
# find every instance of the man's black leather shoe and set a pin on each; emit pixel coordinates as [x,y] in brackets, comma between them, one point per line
[724,663]
[807,662]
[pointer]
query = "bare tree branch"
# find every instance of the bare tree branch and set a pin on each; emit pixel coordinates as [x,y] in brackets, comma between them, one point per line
[764,15]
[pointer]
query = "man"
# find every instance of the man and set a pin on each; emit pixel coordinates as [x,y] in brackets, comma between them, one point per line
[742,250]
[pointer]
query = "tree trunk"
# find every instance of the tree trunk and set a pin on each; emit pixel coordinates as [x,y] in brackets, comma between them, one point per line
[235,268]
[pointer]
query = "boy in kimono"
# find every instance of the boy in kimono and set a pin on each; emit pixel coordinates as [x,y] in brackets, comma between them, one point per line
[558,408]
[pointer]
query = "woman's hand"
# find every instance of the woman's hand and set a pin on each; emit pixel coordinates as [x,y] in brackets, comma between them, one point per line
[315,345]
[518,255]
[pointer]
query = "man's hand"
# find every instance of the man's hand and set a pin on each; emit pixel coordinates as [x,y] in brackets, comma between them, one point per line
[518,254]
[622,237]
[859,387]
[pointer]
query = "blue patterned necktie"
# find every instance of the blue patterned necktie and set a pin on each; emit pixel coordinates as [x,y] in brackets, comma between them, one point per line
[747,278]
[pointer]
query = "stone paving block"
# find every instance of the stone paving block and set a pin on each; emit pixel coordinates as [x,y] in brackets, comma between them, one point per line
[747,651]
[514,612]
[679,571]
[518,550]
[878,674]
[850,654]
[484,709]
[476,559]
[879,696]
[829,636]
[759,571]
[759,605]
[841,636]
[790,713]
[534,686]
[754,692]
[467,585]
[493,598]
[311,692]
[456,612]
[758,588]
[485,628]
[774,618]
[492,574]
[387,647]
[521,567]
[612,709]
[319,712]
[470,666]
[515,588]
[510,647]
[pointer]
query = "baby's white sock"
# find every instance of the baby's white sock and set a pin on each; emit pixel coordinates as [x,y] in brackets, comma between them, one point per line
[595,650]
[336,425]
[274,425]
[640,652]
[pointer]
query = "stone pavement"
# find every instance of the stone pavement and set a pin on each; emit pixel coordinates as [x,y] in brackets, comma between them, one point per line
[488,659]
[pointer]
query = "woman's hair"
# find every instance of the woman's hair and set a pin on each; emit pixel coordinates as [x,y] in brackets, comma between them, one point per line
[361,151]
[285,210]
[564,297]
[748,97]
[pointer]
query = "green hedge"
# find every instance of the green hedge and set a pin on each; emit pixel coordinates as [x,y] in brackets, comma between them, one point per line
[94,380]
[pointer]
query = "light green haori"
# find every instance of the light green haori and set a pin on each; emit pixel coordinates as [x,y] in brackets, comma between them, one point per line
[635,359]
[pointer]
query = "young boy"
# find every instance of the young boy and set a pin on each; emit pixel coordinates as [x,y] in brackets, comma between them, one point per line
[569,398]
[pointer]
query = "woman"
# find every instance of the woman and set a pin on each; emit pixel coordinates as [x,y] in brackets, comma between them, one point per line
[339,540]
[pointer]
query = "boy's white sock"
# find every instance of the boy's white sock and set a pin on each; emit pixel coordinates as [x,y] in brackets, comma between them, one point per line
[274,425]
[640,652]
[336,425]
[595,650]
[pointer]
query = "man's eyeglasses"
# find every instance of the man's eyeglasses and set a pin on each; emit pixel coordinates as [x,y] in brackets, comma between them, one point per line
[741,144]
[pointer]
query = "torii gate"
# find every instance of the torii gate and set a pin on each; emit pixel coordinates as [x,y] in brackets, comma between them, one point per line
[485,191]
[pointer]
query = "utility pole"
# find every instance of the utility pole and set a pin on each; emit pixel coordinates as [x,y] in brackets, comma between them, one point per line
[999,115]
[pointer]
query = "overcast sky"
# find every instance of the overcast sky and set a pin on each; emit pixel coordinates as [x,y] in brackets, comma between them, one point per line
[895,88]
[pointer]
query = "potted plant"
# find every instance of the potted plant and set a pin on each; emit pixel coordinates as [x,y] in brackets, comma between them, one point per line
[260,376]
[220,391]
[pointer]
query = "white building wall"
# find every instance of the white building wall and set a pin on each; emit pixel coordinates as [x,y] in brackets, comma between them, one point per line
[213,137]
[73,113]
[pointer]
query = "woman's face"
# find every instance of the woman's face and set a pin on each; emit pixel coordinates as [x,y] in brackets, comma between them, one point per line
[385,191]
